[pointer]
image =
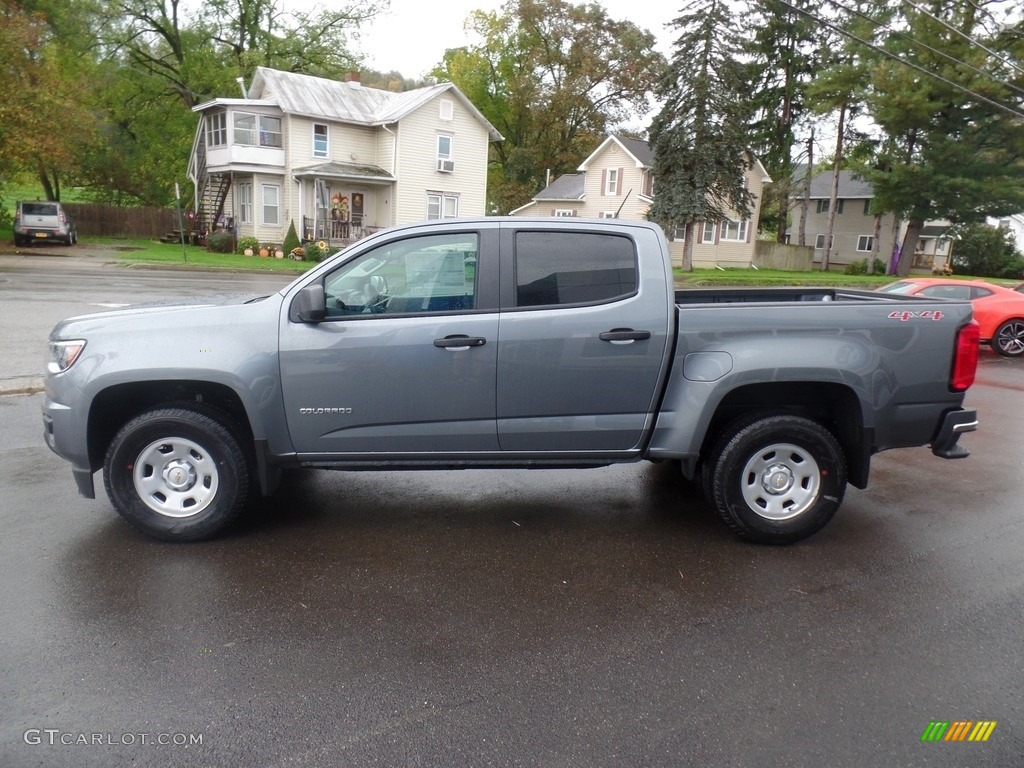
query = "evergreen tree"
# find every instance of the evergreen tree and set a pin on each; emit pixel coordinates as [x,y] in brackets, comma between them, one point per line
[700,136]
[783,50]
[953,152]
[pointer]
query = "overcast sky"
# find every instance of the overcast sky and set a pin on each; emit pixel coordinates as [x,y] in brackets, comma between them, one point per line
[413,36]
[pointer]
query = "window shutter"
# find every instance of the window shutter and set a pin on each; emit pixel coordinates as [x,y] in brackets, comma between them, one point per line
[604,180]
[618,185]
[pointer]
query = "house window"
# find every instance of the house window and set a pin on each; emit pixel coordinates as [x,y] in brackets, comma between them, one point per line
[271,194]
[447,109]
[217,129]
[611,181]
[648,184]
[734,231]
[245,202]
[442,206]
[867,207]
[707,232]
[564,212]
[445,162]
[819,242]
[865,243]
[319,140]
[607,215]
[823,206]
[257,130]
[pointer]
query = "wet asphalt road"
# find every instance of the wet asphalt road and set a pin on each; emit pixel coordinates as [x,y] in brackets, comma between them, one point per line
[513,618]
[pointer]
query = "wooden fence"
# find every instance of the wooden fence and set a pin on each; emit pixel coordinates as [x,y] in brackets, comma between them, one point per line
[791,258]
[98,220]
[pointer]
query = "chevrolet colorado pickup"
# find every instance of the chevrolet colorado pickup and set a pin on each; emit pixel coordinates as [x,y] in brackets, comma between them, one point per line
[506,342]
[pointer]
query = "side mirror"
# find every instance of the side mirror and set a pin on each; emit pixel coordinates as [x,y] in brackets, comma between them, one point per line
[309,304]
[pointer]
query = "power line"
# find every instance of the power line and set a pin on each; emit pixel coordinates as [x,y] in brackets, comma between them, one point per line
[912,65]
[966,37]
[936,51]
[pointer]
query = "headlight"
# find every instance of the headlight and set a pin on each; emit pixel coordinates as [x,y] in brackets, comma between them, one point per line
[63,354]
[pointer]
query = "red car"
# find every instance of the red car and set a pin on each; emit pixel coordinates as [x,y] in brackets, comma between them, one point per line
[998,310]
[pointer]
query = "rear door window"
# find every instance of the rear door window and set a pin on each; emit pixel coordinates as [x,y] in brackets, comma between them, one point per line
[571,268]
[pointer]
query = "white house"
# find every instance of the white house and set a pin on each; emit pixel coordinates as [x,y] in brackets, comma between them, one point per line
[617,181]
[336,158]
[1014,224]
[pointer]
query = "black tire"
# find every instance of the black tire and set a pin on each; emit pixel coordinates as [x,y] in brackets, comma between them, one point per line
[776,479]
[178,473]
[1008,339]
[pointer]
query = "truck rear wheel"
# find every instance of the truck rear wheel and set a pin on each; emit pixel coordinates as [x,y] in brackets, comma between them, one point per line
[177,473]
[777,479]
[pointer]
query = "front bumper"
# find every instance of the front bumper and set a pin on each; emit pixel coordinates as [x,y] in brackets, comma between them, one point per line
[954,424]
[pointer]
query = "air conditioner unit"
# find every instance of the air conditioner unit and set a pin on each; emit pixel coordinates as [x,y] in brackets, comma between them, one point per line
[446,166]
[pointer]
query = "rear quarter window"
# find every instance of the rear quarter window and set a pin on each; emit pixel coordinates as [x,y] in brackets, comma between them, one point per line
[560,268]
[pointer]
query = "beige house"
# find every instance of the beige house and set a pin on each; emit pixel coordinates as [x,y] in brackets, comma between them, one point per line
[337,159]
[853,226]
[616,181]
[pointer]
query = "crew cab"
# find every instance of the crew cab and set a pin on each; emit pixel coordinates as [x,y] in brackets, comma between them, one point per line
[507,342]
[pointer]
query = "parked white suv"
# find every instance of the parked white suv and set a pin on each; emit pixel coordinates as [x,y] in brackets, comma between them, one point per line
[43,220]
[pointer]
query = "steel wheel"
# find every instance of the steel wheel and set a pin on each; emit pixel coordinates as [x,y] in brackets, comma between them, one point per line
[175,477]
[780,481]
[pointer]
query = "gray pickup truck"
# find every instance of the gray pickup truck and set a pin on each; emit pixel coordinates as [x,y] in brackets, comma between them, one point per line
[506,342]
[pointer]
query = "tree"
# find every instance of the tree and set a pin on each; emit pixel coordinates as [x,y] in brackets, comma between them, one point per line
[986,252]
[45,123]
[552,77]
[954,152]
[783,57]
[840,90]
[699,138]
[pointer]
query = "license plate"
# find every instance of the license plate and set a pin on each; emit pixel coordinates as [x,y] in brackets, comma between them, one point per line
[40,234]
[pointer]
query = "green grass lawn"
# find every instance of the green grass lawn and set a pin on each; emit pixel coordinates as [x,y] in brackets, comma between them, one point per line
[137,251]
[699,278]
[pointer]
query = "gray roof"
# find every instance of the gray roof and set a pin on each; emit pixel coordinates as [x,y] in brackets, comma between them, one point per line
[344,171]
[850,186]
[348,102]
[639,148]
[567,187]
[933,230]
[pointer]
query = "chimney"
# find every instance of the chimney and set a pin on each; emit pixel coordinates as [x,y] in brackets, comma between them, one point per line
[352,78]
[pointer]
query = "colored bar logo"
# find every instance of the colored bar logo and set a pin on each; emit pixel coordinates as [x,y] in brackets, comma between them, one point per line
[958,730]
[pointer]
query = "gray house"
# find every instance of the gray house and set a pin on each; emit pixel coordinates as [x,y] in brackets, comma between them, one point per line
[853,230]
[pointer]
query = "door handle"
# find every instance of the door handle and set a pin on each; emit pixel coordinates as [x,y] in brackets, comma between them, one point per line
[456,342]
[624,335]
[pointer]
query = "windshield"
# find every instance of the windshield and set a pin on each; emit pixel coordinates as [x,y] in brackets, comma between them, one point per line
[901,286]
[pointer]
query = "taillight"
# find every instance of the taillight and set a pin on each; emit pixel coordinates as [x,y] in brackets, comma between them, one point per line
[965,358]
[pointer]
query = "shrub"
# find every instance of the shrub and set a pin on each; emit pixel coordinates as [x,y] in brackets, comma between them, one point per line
[291,240]
[316,251]
[248,242]
[220,241]
[861,267]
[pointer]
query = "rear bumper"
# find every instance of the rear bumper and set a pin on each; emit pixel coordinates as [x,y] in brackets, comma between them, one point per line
[954,424]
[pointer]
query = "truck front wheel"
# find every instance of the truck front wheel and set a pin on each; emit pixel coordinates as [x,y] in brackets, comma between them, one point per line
[177,473]
[776,479]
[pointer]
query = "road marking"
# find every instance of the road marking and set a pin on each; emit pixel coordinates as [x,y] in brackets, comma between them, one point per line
[109,306]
